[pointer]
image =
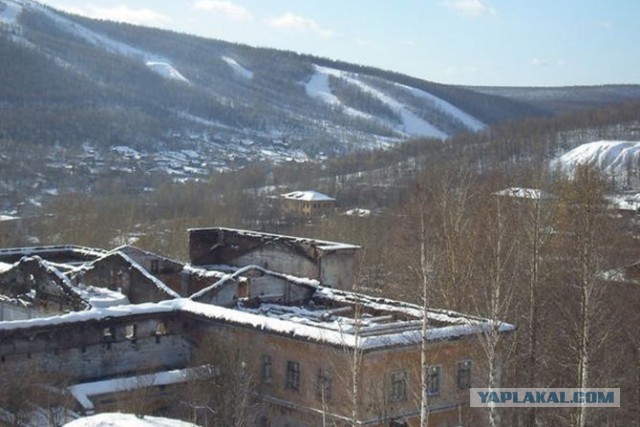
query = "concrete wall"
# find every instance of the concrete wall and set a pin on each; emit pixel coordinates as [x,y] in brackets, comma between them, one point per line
[83,352]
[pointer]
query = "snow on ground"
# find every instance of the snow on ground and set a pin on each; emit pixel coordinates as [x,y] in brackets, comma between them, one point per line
[10,13]
[318,87]
[154,62]
[469,121]
[126,420]
[237,68]
[166,70]
[612,157]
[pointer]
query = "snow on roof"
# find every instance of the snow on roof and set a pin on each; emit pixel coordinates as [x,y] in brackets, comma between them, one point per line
[320,244]
[126,420]
[5,267]
[308,196]
[157,282]
[83,392]
[102,297]
[96,313]
[44,250]
[524,193]
[339,333]
[238,275]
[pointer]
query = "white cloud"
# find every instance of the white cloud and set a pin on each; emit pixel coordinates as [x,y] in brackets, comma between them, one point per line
[607,25]
[290,21]
[120,13]
[123,13]
[547,63]
[471,7]
[223,7]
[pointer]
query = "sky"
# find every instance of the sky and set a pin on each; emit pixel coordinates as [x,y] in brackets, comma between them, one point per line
[467,42]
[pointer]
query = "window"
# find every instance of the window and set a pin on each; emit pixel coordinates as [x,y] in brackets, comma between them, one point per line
[109,334]
[155,266]
[399,386]
[323,386]
[464,374]
[130,332]
[433,380]
[266,368]
[293,376]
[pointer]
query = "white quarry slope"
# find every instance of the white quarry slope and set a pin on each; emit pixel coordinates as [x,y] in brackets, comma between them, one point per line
[126,420]
[237,68]
[166,70]
[412,125]
[615,158]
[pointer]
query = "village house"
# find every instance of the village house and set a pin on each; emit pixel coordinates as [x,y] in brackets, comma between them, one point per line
[320,354]
[306,203]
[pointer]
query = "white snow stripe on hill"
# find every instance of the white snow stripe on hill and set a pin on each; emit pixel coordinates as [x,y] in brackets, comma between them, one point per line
[468,120]
[166,70]
[612,157]
[237,68]
[412,125]
[10,13]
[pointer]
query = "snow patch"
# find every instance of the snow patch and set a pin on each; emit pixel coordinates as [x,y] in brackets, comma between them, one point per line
[166,70]
[318,87]
[9,15]
[616,158]
[237,68]
[126,420]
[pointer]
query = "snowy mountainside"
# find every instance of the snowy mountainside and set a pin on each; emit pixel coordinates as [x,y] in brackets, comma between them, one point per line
[618,159]
[186,85]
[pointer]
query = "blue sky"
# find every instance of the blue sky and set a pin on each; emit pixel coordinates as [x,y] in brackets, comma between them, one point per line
[474,42]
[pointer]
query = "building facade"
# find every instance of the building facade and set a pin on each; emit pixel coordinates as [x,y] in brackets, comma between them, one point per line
[316,354]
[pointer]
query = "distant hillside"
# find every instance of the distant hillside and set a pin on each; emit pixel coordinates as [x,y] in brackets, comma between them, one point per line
[86,102]
[565,99]
[73,80]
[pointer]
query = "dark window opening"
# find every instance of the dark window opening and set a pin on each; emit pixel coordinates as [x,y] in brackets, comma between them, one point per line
[464,375]
[266,368]
[323,386]
[433,380]
[293,376]
[399,386]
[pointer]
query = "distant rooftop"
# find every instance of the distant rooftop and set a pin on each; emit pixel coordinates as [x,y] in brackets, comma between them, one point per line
[524,193]
[308,196]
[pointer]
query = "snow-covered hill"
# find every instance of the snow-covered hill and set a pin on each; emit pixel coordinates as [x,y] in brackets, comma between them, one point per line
[618,159]
[276,100]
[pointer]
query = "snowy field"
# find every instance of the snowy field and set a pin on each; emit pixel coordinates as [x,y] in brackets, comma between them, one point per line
[126,420]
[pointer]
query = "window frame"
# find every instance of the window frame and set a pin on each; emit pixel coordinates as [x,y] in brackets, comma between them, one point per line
[464,367]
[434,388]
[266,370]
[324,386]
[292,378]
[398,386]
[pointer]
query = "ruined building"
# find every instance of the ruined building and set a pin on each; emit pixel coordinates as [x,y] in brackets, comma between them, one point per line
[120,321]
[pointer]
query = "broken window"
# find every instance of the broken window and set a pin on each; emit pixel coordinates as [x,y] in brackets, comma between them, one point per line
[399,386]
[266,368]
[161,329]
[433,380]
[464,374]
[293,376]
[109,334]
[130,332]
[323,386]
